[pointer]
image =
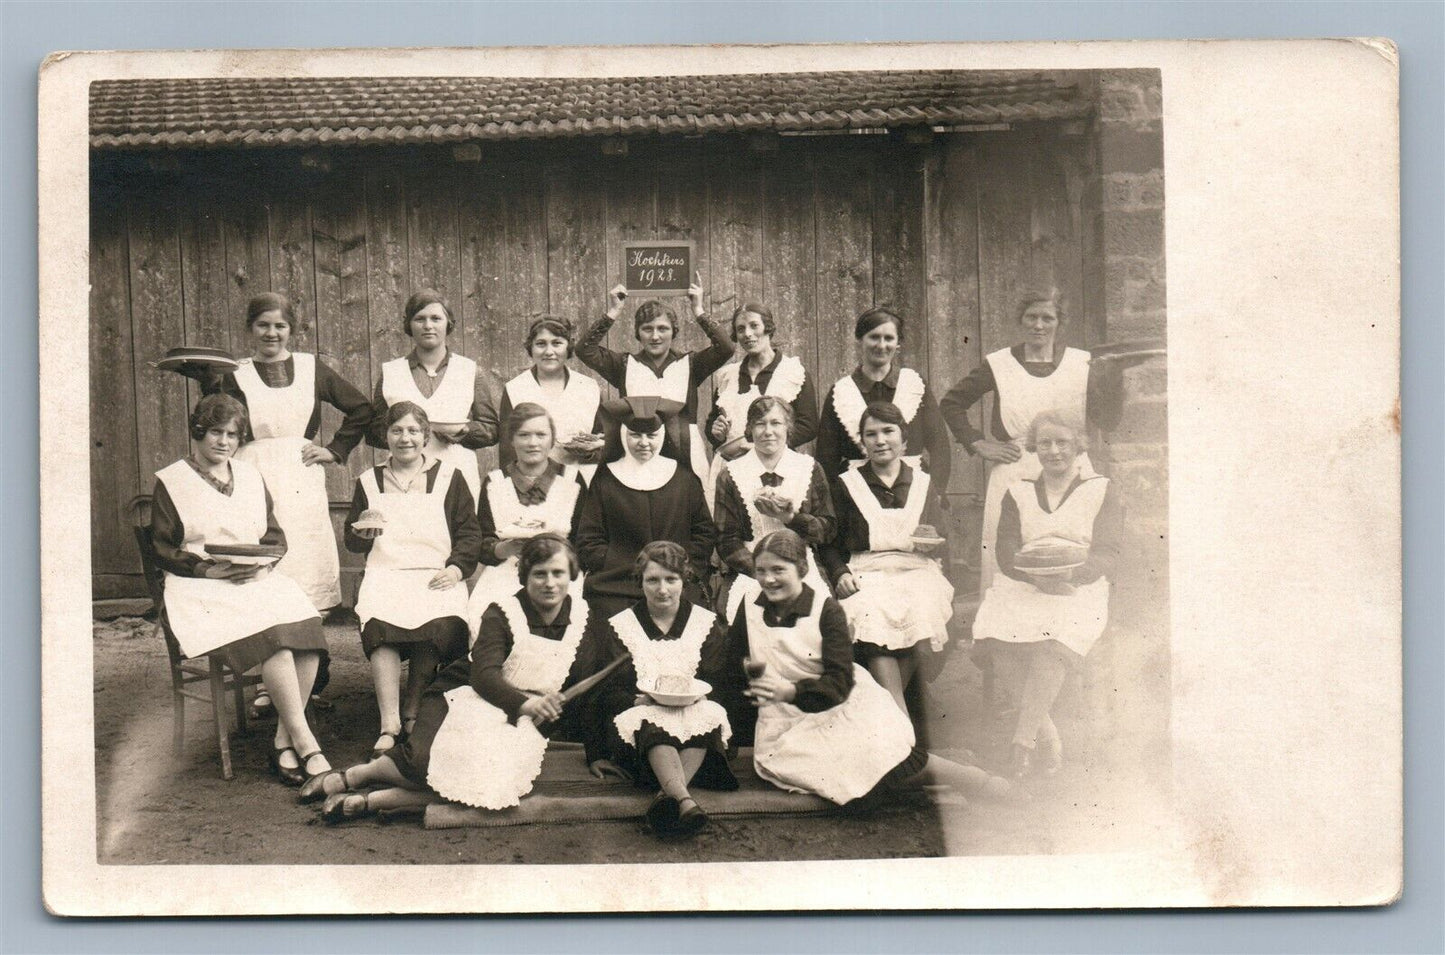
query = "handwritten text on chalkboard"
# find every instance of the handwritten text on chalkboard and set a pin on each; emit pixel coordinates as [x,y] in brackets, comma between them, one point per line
[657,267]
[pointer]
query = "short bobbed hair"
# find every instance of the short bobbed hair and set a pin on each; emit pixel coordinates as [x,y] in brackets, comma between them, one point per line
[753,308]
[403,408]
[885,411]
[214,411]
[669,555]
[560,327]
[270,302]
[1058,419]
[785,545]
[875,316]
[653,309]
[761,406]
[521,414]
[1044,296]
[419,300]
[541,549]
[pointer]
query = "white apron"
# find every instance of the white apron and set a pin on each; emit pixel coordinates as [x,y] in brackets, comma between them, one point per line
[655,658]
[412,548]
[796,470]
[206,614]
[451,403]
[574,412]
[675,384]
[478,758]
[903,598]
[298,491]
[848,406]
[1021,398]
[785,385]
[500,580]
[840,753]
[1016,611]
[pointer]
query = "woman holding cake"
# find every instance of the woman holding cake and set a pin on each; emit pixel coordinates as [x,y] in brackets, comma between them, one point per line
[1057,544]
[574,401]
[888,545]
[415,521]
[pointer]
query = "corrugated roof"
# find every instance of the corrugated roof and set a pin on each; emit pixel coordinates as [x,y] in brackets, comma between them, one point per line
[200,113]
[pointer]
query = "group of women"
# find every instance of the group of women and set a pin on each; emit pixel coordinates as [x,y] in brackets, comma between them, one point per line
[641,542]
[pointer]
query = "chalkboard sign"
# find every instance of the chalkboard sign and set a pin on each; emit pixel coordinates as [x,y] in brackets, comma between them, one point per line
[657,268]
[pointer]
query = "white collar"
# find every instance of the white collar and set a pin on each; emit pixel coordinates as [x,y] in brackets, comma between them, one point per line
[643,477]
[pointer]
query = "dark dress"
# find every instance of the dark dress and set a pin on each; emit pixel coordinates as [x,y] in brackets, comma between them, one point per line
[617,521]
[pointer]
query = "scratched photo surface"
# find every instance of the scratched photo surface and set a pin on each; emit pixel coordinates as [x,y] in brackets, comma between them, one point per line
[1130,235]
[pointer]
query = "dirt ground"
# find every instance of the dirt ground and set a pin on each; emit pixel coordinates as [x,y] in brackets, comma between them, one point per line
[156,807]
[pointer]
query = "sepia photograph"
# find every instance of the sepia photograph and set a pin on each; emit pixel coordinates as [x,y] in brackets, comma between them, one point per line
[653,472]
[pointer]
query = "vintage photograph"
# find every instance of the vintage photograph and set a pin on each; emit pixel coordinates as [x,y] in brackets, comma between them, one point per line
[766,466]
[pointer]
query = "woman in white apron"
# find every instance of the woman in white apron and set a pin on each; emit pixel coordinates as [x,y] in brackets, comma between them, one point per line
[658,369]
[888,578]
[880,377]
[574,401]
[768,488]
[763,371]
[418,529]
[247,614]
[824,725]
[667,748]
[1039,625]
[451,389]
[482,729]
[532,495]
[1036,375]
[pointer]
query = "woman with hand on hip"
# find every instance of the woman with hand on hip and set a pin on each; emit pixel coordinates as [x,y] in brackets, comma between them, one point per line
[455,394]
[1057,543]
[1038,374]
[574,401]
[762,371]
[247,614]
[414,520]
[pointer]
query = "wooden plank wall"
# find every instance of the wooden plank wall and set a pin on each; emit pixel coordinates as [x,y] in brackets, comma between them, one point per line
[818,228]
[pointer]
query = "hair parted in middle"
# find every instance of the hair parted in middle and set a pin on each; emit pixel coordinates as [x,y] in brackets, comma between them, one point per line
[560,327]
[753,308]
[666,554]
[521,414]
[785,545]
[761,406]
[419,300]
[884,411]
[543,548]
[215,410]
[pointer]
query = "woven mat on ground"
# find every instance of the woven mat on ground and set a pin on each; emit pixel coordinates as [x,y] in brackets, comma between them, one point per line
[566,792]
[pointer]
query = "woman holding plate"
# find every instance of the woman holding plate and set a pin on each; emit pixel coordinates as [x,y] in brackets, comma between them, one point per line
[763,371]
[1058,543]
[671,736]
[530,496]
[574,401]
[888,545]
[455,394]
[415,521]
[1038,374]
[237,607]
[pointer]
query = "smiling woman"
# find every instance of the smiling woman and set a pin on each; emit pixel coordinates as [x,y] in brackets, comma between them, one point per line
[574,401]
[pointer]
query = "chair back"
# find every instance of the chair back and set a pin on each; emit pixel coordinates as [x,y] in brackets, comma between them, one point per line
[140,509]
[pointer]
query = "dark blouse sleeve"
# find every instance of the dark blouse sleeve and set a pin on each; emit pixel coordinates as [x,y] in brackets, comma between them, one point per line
[505,454]
[725,672]
[814,521]
[494,643]
[963,396]
[805,414]
[832,439]
[168,534]
[348,399]
[611,365]
[577,510]
[591,528]
[1105,547]
[590,721]
[355,544]
[1010,538]
[482,429]
[275,536]
[487,536]
[376,432]
[702,534]
[834,554]
[707,360]
[827,691]
[712,416]
[933,514]
[935,439]
[733,525]
[462,523]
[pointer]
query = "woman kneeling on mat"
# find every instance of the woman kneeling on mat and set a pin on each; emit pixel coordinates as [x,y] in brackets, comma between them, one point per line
[670,736]
[482,729]
[824,725]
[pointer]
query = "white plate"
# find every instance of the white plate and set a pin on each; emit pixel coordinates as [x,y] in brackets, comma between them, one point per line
[1049,571]
[238,559]
[700,689]
[368,525]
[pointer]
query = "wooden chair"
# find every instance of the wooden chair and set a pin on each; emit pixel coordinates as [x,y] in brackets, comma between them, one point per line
[217,679]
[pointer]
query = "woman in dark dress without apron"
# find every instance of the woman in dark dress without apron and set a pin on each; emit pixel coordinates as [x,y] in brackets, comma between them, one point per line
[419,532]
[639,498]
[247,614]
[482,730]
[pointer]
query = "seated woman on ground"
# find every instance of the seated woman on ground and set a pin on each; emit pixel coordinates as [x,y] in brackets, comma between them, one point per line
[671,641]
[1058,543]
[414,519]
[824,726]
[482,729]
